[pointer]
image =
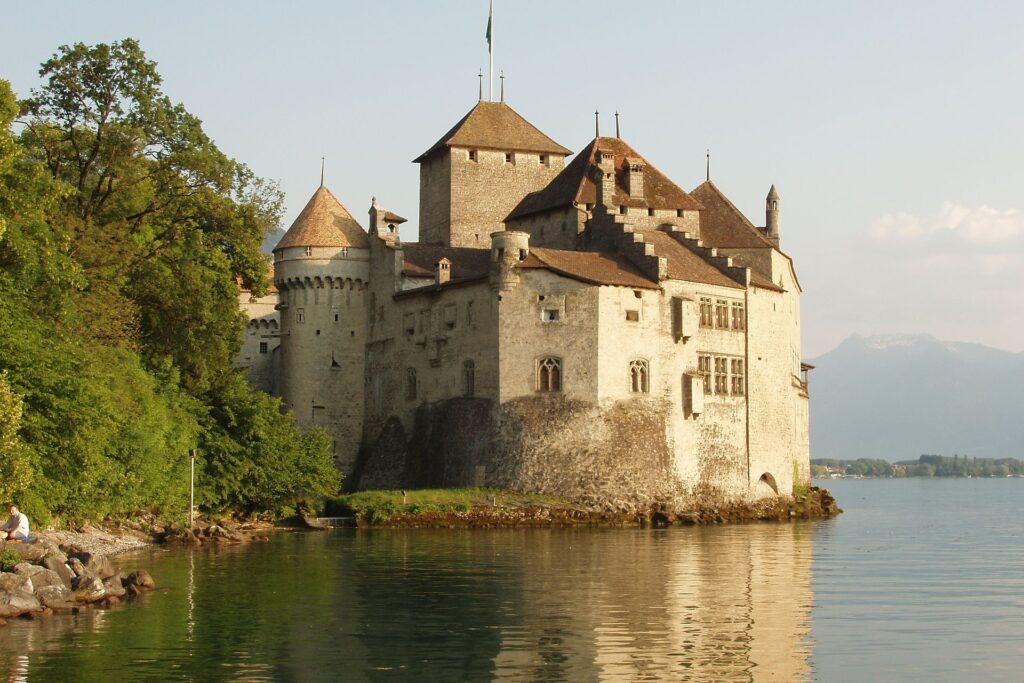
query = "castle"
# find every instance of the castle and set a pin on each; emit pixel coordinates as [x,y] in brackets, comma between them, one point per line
[588,329]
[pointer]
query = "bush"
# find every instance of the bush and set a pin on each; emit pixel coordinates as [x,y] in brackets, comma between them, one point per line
[8,559]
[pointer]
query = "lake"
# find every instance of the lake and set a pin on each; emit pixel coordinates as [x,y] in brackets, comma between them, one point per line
[919,579]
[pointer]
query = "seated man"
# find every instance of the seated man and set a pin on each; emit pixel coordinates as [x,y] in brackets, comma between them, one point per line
[16,527]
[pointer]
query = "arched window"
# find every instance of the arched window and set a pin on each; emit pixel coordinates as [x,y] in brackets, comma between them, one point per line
[469,378]
[410,384]
[549,374]
[639,376]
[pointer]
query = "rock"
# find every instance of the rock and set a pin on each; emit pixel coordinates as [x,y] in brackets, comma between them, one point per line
[114,587]
[88,589]
[77,568]
[15,603]
[58,564]
[15,582]
[140,581]
[55,597]
[40,576]
[95,564]
[29,552]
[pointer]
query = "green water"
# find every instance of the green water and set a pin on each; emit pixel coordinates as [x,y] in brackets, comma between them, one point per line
[919,580]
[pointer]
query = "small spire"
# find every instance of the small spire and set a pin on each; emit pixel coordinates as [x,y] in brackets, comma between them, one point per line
[708,164]
[597,124]
[502,79]
[480,97]
[322,160]
[617,125]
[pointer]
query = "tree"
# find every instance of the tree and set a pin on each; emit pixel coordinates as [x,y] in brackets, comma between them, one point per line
[15,471]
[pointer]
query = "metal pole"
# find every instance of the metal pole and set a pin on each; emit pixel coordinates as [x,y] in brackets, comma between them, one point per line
[191,486]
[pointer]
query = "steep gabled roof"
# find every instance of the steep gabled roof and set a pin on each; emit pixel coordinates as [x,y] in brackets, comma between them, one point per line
[324,222]
[684,264]
[574,185]
[722,225]
[495,125]
[590,267]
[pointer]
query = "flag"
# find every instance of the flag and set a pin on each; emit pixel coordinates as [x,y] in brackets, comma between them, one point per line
[490,15]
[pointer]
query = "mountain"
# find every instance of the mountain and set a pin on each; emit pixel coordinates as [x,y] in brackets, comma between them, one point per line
[899,396]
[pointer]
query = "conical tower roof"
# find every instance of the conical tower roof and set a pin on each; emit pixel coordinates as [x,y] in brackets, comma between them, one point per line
[324,222]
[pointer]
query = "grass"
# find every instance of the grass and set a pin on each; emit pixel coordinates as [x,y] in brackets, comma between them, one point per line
[377,507]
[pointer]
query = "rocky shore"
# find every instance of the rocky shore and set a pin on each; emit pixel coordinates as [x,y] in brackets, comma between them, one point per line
[70,570]
[813,504]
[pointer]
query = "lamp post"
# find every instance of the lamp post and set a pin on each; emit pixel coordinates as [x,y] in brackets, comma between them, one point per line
[191,486]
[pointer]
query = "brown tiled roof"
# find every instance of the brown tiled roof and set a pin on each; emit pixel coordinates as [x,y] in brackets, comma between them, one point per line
[495,125]
[762,281]
[467,262]
[574,184]
[684,264]
[324,222]
[722,224]
[589,266]
[390,217]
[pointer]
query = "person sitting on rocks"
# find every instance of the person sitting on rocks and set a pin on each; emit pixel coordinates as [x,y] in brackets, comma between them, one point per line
[16,527]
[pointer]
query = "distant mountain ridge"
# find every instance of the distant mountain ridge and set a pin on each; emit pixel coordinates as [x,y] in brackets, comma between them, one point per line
[899,396]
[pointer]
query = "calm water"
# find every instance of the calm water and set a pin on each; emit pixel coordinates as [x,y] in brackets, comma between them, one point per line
[918,580]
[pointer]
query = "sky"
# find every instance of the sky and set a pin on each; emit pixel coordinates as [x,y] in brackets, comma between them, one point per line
[893,131]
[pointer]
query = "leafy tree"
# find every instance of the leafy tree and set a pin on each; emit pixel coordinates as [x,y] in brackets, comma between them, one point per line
[15,471]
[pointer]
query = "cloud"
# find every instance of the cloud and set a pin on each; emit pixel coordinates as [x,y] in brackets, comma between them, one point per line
[954,226]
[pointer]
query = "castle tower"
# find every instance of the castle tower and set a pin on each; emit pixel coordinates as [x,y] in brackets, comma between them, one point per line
[771,215]
[321,267]
[479,171]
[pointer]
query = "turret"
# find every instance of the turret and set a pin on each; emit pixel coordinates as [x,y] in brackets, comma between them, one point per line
[508,248]
[771,215]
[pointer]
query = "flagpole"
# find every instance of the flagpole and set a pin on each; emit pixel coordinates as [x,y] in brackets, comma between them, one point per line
[490,53]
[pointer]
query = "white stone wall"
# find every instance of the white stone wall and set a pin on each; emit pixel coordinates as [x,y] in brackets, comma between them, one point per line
[323,337]
[260,340]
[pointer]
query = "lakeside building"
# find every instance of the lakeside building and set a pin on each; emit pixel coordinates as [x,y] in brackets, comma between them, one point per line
[586,328]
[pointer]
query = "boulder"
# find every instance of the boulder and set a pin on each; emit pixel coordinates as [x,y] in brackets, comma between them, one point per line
[15,582]
[88,589]
[77,567]
[140,581]
[95,564]
[29,552]
[15,603]
[41,576]
[113,587]
[55,597]
[58,564]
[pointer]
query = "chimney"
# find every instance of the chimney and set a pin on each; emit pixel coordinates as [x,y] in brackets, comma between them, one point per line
[635,179]
[442,271]
[384,224]
[604,177]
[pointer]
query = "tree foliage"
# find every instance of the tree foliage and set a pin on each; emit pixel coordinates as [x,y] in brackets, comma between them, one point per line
[124,234]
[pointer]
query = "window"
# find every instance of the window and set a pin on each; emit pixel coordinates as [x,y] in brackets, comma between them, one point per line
[344,251]
[337,316]
[472,155]
[650,212]
[469,378]
[508,157]
[677,318]
[704,366]
[736,376]
[469,312]
[309,251]
[300,315]
[721,375]
[550,315]
[549,374]
[638,377]
[410,384]
[409,323]
[706,319]
[722,314]
[450,314]
[632,316]
[543,158]
[263,347]
[738,318]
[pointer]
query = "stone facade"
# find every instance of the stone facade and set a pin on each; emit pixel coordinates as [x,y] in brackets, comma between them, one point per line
[566,329]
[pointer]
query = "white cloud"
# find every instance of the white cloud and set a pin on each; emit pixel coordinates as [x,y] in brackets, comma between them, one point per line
[953,226]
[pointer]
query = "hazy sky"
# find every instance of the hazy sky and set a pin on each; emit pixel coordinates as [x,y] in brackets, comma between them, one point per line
[894,131]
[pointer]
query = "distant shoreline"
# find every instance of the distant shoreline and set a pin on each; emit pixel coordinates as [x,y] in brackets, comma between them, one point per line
[926,466]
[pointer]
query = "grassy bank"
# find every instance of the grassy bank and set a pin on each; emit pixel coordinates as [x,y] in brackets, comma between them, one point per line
[381,507]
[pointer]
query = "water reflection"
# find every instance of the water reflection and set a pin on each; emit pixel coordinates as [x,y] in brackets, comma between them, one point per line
[717,604]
